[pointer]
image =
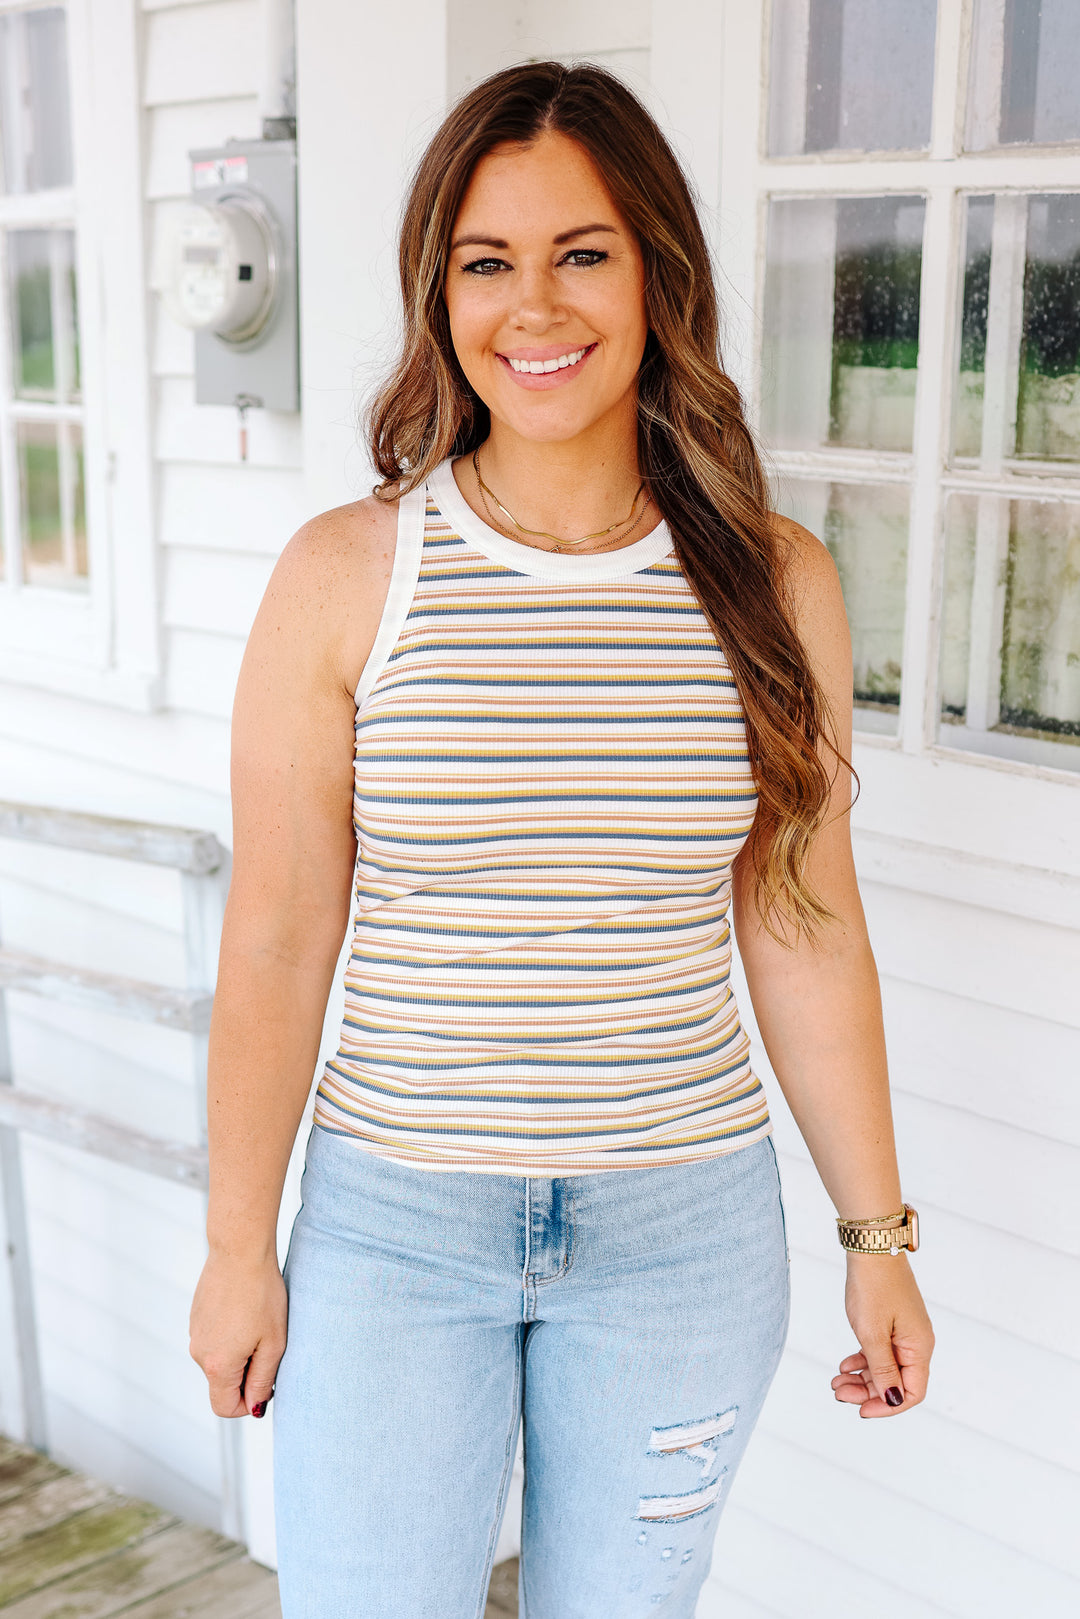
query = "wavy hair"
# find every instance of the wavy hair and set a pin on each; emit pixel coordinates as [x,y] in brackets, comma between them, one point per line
[696,452]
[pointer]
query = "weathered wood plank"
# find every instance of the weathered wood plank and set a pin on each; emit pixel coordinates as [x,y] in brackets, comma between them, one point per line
[237,1590]
[22,1470]
[269,1607]
[502,1602]
[75,1127]
[78,1539]
[185,848]
[48,1504]
[106,992]
[159,1563]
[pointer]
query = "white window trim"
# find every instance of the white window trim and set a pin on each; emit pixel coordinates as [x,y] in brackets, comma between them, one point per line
[102,643]
[747,180]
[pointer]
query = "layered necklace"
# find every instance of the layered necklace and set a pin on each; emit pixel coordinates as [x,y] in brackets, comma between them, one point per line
[488,496]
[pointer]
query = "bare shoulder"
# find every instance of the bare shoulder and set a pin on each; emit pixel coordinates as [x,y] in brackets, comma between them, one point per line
[809,580]
[327,590]
[333,545]
[812,589]
[808,570]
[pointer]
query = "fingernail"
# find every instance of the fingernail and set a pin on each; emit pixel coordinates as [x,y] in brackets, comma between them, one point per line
[893,1396]
[259,1410]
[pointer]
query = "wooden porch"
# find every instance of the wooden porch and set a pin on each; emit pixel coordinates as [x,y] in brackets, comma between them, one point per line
[71,1547]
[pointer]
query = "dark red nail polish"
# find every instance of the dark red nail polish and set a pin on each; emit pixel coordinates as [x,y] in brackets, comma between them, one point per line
[894,1396]
[259,1410]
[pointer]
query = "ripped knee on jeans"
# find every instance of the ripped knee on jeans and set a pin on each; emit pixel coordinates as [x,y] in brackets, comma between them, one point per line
[699,1442]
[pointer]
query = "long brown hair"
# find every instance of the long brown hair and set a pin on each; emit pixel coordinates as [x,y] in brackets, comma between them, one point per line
[695,449]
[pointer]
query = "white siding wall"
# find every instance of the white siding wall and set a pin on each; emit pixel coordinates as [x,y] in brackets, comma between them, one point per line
[117,1253]
[965,1507]
[980,1486]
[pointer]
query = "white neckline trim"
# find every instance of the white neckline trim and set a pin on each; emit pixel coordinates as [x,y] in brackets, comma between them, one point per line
[526,558]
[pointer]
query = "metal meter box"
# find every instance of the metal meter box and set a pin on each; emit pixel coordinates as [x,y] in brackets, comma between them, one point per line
[239,271]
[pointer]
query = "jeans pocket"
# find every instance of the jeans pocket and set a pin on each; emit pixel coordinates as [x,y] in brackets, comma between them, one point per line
[780,1199]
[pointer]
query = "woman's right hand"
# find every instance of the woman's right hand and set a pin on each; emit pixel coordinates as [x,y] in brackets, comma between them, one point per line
[238,1319]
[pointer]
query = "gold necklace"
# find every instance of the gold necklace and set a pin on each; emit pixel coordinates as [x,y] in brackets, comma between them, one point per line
[598,551]
[542,533]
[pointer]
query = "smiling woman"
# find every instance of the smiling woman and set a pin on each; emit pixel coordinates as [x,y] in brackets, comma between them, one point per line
[558,704]
[581,288]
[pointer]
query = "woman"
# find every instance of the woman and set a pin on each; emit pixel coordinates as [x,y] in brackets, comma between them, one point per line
[601,695]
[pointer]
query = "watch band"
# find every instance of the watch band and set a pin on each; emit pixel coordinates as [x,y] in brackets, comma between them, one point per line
[875,1237]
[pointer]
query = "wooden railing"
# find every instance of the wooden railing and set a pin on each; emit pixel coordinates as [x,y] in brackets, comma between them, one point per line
[202,863]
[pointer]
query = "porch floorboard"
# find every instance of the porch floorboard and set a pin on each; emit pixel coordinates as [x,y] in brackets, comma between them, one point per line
[72,1547]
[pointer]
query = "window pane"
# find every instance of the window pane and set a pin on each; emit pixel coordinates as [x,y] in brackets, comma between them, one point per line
[850,75]
[52,504]
[44,316]
[1048,407]
[842,322]
[1025,62]
[1020,331]
[34,113]
[1010,657]
[1040,669]
[865,527]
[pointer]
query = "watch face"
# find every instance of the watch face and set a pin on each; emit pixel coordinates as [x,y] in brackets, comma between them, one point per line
[913,1220]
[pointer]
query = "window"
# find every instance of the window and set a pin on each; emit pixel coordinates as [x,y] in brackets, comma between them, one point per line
[42,504]
[850,75]
[941,466]
[78,583]
[1022,81]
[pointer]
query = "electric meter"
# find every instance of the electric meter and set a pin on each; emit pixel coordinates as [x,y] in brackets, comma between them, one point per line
[225,268]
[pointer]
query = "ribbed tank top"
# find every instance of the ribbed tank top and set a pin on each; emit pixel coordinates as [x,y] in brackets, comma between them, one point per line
[551,784]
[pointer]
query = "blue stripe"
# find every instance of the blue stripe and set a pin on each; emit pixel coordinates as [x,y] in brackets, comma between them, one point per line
[554,758]
[533,610]
[580,719]
[590,682]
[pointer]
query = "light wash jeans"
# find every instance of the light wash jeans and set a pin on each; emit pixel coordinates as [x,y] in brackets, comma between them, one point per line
[633,1318]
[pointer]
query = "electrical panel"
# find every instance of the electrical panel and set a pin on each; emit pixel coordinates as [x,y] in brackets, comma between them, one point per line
[231,276]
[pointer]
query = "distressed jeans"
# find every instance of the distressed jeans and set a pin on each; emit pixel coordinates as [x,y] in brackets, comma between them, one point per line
[632,1319]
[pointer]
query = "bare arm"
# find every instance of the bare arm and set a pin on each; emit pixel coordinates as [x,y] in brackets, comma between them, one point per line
[818,1007]
[287,911]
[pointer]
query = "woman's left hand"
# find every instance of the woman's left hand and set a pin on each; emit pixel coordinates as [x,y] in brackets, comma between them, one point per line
[896,1340]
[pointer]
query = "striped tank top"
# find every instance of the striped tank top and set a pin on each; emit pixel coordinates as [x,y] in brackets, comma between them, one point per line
[551,784]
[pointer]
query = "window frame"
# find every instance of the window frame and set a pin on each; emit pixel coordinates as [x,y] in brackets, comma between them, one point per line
[101,643]
[944,174]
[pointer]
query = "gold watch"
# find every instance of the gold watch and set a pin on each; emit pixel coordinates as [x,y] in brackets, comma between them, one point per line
[886,1235]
